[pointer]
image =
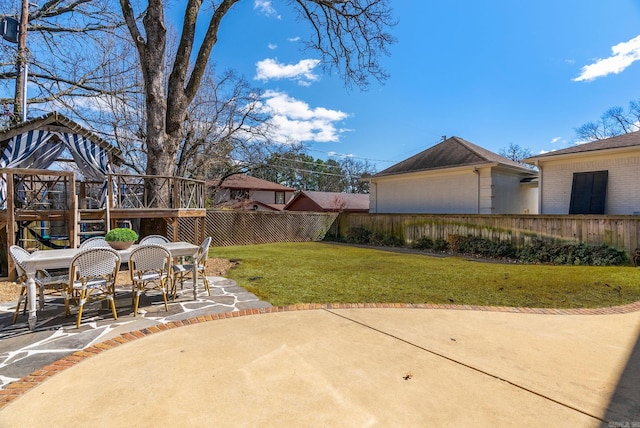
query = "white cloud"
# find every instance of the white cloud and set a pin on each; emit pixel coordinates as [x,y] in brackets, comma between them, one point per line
[266,8]
[623,55]
[295,121]
[272,46]
[294,39]
[340,155]
[556,139]
[271,69]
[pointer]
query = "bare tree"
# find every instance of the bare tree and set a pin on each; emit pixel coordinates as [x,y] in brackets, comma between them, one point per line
[613,122]
[516,153]
[349,35]
[354,172]
[225,123]
[70,44]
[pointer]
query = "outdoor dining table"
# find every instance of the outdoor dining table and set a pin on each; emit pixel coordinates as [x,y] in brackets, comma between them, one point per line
[58,259]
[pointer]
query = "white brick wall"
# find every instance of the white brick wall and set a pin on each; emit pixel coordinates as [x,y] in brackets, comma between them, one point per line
[623,187]
[454,193]
[461,191]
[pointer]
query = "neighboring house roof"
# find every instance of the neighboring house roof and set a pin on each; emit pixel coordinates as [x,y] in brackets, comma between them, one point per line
[452,152]
[329,201]
[55,121]
[625,141]
[248,205]
[246,182]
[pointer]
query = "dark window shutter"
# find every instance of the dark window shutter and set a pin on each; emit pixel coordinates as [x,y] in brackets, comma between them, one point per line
[589,192]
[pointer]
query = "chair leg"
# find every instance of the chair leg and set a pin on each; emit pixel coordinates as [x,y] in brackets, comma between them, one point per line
[23,296]
[174,289]
[136,301]
[81,302]
[66,297]
[164,296]
[179,276]
[206,282]
[112,298]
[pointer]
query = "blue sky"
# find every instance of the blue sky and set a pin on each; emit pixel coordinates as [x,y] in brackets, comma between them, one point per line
[493,72]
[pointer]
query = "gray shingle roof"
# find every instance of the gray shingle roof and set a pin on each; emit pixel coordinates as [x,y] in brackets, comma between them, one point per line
[453,152]
[621,141]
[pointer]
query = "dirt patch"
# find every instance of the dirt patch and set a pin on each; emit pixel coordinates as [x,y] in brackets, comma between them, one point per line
[9,291]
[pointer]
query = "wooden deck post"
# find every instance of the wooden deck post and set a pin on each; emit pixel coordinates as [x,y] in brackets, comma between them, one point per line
[73,217]
[11,225]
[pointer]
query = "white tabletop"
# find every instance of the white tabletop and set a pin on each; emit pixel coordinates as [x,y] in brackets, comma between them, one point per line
[58,259]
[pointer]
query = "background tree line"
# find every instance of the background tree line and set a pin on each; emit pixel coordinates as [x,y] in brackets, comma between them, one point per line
[301,171]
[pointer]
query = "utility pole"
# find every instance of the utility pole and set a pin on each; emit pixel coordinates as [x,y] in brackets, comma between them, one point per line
[20,103]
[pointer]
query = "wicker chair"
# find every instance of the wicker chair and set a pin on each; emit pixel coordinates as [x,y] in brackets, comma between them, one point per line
[181,271]
[42,279]
[154,239]
[93,275]
[95,242]
[150,268]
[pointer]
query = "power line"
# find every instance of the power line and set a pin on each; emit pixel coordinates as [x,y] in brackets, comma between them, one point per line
[353,157]
[286,168]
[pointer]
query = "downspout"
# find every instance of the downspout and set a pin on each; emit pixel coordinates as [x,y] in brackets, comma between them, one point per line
[478,189]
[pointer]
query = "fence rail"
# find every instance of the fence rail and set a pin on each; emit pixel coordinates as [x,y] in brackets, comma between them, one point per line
[621,232]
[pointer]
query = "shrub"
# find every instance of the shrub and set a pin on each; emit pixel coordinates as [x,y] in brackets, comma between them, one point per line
[121,234]
[486,248]
[440,245]
[358,235]
[423,243]
[568,253]
[539,251]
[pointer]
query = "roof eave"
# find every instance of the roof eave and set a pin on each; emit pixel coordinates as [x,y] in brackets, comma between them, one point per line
[551,156]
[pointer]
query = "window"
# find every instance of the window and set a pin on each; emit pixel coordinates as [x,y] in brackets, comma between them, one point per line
[280,198]
[589,192]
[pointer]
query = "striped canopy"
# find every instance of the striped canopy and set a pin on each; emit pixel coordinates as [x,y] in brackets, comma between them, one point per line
[38,149]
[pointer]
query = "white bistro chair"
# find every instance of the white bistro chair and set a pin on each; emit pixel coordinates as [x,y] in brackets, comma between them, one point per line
[150,268]
[154,239]
[43,280]
[182,271]
[92,275]
[95,242]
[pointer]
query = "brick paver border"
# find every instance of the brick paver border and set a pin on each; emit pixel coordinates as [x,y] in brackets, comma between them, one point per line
[19,387]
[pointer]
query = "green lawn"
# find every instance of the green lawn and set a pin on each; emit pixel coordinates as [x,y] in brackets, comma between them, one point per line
[291,273]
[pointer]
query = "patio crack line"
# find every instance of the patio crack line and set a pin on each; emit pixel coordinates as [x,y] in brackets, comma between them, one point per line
[476,369]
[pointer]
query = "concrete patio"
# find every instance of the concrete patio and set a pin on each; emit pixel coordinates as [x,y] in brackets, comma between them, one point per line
[329,365]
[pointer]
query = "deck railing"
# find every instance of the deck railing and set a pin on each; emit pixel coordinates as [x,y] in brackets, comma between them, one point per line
[36,189]
[147,192]
[43,190]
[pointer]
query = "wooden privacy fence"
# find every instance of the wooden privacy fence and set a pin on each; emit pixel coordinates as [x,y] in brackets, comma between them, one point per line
[258,227]
[622,232]
[262,227]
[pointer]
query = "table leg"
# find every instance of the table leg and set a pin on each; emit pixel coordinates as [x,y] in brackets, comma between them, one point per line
[31,295]
[195,280]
